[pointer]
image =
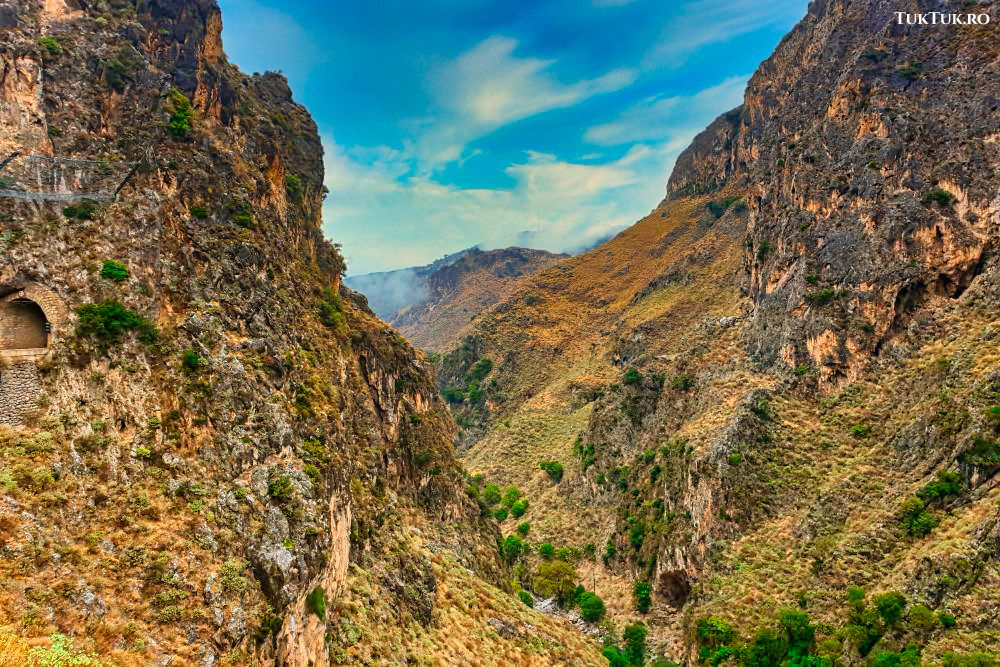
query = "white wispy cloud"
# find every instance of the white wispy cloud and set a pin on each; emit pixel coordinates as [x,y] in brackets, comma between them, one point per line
[388,216]
[489,86]
[662,118]
[699,24]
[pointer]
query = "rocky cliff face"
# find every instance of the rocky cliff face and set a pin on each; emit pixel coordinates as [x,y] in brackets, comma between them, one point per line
[743,439]
[216,440]
[872,155]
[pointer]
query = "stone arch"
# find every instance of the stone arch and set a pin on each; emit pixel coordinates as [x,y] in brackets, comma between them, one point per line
[23,326]
[30,315]
[30,318]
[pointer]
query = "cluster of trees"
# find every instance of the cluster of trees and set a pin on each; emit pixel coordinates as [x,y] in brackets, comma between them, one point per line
[887,632]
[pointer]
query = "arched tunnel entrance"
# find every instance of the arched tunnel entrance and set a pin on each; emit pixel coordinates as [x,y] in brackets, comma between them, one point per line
[23,325]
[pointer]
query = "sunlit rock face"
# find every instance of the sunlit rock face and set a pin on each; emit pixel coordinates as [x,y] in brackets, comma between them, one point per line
[870,152]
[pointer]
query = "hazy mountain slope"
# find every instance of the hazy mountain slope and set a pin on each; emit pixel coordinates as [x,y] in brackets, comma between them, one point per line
[217,457]
[774,458]
[389,292]
[432,305]
[458,291]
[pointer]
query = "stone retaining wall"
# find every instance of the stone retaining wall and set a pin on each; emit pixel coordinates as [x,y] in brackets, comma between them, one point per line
[19,389]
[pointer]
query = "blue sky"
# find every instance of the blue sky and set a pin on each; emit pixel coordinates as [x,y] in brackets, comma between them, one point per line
[453,123]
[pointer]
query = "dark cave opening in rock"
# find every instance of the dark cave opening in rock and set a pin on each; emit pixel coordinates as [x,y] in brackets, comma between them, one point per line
[23,326]
[675,588]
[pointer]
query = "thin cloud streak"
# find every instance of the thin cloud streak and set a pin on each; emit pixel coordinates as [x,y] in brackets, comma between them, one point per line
[700,24]
[488,87]
[658,117]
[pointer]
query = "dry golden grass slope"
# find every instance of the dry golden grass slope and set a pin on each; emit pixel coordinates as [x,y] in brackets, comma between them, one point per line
[645,297]
[793,523]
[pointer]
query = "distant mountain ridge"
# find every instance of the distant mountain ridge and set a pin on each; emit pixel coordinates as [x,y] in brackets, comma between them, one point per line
[433,305]
[388,292]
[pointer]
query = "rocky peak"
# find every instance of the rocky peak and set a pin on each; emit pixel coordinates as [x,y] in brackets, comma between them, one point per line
[705,166]
[872,155]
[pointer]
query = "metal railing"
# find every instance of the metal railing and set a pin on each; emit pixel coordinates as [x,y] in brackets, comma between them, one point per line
[44,178]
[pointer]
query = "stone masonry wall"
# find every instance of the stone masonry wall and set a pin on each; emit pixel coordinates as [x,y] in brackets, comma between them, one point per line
[19,389]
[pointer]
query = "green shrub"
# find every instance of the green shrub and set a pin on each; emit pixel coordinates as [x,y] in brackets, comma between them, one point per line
[231,577]
[553,469]
[908,657]
[526,598]
[331,310]
[634,637]
[51,45]
[609,552]
[116,73]
[511,496]
[890,607]
[294,187]
[500,514]
[591,607]
[491,494]
[714,633]
[984,453]
[682,382]
[314,451]
[61,653]
[825,296]
[946,484]
[280,488]
[511,548]
[947,620]
[735,459]
[181,121]
[114,271]
[718,207]
[481,369]
[921,619]
[567,554]
[917,521]
[614,657]
[522,529]
[452,395]
[199,212]
[642,596]
[85,209]
[243,219]
[969,660]
[555,579]
[938,196]
[191,361]
[993,417]
[109,321]
[546,551]
[636,534]
[312,472]
[631,377]
[588,456]
[518,509]
[860,431]
[316,602]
